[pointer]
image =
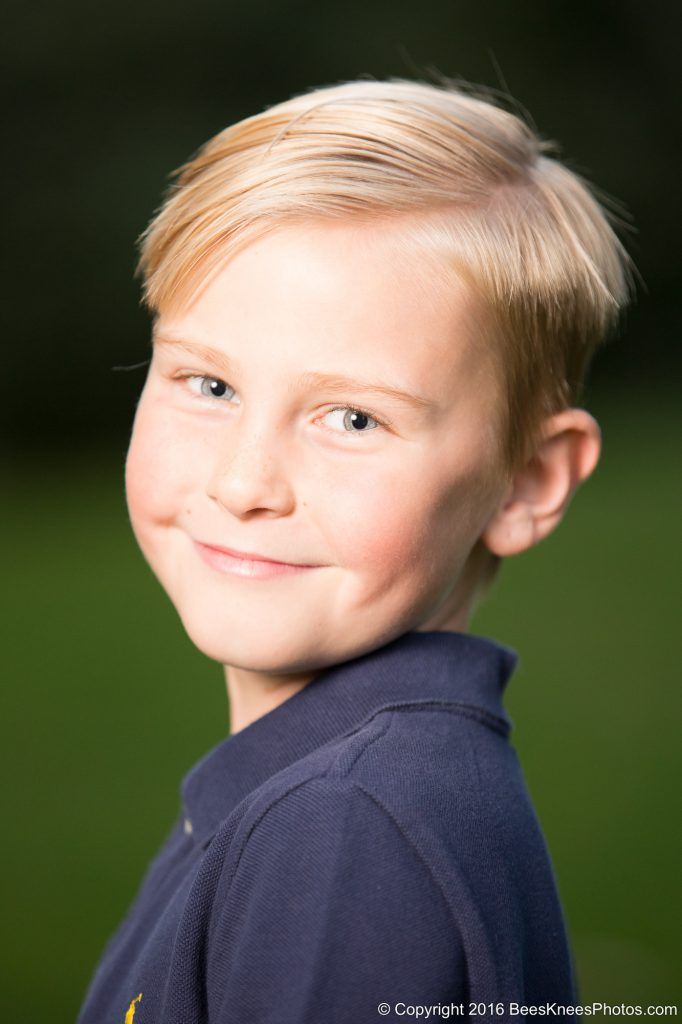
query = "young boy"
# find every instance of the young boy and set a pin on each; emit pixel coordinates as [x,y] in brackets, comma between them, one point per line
[374,306]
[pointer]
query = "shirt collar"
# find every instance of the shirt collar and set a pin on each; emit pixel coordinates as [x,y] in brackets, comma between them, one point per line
[459,668]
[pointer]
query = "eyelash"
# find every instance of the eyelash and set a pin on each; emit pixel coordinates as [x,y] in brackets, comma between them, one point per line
[337,408]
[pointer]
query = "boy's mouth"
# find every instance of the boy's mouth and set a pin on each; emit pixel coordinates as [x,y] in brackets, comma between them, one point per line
[247,563]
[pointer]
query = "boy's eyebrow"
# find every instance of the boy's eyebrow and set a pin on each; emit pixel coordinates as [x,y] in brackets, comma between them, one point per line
[309,378]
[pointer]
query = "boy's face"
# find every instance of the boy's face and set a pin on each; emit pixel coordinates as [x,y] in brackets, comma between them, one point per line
[269,457]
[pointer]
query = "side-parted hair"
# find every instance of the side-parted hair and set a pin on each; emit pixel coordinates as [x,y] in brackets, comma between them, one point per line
[528,234]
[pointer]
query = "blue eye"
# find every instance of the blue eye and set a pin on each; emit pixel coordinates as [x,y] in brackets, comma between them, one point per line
[210,387]
[355,421]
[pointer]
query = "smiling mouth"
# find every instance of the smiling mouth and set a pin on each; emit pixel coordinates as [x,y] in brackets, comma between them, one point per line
[247,564]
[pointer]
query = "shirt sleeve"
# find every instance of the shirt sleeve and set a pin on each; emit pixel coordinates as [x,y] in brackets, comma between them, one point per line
[330,912]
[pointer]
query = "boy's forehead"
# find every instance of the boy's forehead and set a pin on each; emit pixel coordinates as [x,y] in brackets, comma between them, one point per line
[336,298]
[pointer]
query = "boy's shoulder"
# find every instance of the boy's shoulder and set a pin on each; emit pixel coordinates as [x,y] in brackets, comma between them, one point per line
[413,719]
[425,787]
[404,749]
[427,764]
[410,832]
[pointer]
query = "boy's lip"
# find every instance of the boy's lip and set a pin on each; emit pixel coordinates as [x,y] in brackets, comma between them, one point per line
[252,556]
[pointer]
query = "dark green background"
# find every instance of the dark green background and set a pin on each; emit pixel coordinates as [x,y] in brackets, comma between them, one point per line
[106,701]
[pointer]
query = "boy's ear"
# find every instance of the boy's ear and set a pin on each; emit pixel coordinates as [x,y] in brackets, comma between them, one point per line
[540,492]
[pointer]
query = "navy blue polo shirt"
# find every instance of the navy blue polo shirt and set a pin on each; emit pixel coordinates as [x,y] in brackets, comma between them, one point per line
[368,842]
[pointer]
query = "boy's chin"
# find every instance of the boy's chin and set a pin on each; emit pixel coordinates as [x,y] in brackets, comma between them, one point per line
[258,646]
[293,638]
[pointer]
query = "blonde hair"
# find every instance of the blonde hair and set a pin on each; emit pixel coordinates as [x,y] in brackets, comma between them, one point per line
[481,193]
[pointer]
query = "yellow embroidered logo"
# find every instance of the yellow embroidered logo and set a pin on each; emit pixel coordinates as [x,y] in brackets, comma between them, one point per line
[131,1010]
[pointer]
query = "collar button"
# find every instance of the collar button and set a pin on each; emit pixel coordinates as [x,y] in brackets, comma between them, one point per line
[187,826]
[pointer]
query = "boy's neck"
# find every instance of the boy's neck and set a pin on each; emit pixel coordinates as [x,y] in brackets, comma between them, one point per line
[252,694]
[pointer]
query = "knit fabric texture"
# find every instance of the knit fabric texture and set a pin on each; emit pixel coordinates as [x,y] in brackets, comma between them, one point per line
[370,841]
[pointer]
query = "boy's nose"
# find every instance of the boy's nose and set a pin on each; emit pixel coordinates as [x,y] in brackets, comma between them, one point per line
[251,477]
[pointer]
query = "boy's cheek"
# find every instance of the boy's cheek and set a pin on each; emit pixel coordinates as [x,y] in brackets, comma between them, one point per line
[156,470]
[385,535]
